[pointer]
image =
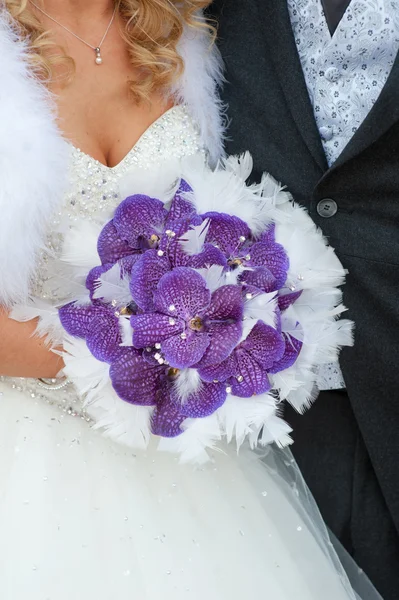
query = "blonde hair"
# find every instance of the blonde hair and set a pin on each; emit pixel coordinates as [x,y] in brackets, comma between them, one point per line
[152,31]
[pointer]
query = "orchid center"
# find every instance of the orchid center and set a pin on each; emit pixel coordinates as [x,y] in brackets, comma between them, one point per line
[153,241]
[234,263]
[196,324]
[128,310]
[173,372]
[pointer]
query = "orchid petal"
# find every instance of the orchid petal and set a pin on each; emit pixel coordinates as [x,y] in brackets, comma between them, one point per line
[251,379]
[202,403]
[287,300]
[209,256]
[272,256]
[104,337]
[128,262]
[223,337]
[170,243]
[260,278]
[180,208]
[138,217]
[225,231]
[226,303]
[146,275]
[291,353]
[219,372]
[110,246]
[265,345]
[76,319]
[269,235]
[185,352]
[92,280]
[167,419]
[135,380]
[150,328]
[182,293]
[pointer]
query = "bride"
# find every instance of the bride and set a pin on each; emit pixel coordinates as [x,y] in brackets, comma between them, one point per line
[92,90]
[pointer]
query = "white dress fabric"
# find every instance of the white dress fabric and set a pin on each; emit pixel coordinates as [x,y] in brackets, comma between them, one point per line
[83,517]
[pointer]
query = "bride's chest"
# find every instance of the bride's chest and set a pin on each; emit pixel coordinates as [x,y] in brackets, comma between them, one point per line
[97,112]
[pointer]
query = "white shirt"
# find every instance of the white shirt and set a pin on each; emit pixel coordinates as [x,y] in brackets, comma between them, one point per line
[345,73]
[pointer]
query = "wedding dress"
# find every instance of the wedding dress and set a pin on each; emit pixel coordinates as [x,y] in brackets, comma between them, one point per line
[84,517]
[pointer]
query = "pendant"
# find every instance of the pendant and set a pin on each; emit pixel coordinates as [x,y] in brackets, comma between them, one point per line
[99,60]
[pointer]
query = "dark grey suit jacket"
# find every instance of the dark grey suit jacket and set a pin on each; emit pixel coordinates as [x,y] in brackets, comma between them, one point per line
[271,116]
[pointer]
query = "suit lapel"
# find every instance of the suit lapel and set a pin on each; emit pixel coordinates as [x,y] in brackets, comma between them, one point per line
[382,116]
[280,39]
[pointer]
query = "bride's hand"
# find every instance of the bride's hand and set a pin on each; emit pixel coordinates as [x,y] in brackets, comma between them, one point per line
[24,354]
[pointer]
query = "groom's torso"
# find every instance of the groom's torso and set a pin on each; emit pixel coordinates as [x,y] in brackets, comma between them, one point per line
[355,200]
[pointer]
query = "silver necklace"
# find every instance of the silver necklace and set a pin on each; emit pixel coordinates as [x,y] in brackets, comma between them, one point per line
[97,49]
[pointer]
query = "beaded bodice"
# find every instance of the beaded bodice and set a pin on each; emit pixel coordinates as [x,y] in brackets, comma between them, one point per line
[93,194]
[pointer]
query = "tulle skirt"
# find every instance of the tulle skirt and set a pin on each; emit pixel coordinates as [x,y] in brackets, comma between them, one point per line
[81,517]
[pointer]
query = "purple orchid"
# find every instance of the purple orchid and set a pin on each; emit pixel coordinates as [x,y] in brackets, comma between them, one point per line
[189,323]
[98,325]
[170,413]
[264,262]
[176,321]
[144,382]
[141,222]
[245,371]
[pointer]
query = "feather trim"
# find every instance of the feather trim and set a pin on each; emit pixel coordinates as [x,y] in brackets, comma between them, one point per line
[198,88]
[32,157]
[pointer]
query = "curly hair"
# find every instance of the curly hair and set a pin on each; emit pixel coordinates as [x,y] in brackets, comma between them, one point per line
[152,30]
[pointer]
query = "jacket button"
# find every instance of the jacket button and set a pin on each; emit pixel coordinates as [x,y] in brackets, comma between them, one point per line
[327,208]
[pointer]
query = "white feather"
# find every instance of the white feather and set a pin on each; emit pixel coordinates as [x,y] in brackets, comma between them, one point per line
[225,190]
[121,421]
[198,87]
[214,277]
[241,165]
[239,417]
[88,374]
[126,331]
[125,423]
[275,430]
[262,307]
[111,287]
[33,165]
[80,245]
[302,398]
[192,446]
[194,239]
[162,183]
[285,382]
[187,383]
[48,326]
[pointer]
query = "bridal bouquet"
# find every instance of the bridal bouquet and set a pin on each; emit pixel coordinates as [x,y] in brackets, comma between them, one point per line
[210,304]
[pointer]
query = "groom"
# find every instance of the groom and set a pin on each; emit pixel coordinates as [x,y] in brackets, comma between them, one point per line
[313,93]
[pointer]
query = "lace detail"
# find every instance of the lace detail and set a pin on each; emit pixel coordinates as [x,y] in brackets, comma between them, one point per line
[92,195]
